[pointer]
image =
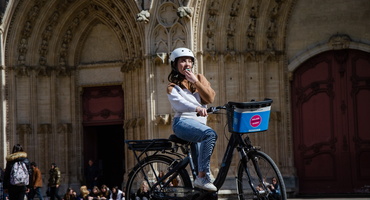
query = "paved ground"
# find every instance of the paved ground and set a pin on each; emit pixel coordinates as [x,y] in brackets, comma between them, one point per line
[225,195]
[231,195]
[344,198]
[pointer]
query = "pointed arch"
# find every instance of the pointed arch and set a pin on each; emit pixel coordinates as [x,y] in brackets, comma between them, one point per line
[160,39]
[49,26]
[335,42]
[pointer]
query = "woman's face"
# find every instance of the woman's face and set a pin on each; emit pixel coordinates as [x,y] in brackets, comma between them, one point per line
[184,64]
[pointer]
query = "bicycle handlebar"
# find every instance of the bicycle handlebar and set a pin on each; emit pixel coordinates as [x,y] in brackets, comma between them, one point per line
[215,109]
[250,104]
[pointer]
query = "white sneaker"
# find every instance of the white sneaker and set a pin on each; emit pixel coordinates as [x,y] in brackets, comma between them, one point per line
[210,177]
[205,184]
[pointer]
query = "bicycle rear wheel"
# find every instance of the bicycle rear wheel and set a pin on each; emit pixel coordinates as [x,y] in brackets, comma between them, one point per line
[261,169]
[149,170]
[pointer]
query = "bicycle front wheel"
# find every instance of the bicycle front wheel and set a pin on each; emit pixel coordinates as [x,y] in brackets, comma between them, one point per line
[149,170]
[256,182]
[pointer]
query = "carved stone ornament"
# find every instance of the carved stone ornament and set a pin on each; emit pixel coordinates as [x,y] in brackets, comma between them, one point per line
[339,42]
[167,15]
[163,57]
[250,56]
[42,71]
[143,16]
[133,123]
[131,65]
[23,129]
[213,55]
[185,12]
[63,71]
[44,129]
[164,119]
[64,128]
[22,70]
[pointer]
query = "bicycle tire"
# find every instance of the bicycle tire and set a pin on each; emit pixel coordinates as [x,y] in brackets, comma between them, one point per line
[268,169]
[152,166]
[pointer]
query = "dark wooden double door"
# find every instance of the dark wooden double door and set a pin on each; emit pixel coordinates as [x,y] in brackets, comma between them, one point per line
[331,123]
[103,136]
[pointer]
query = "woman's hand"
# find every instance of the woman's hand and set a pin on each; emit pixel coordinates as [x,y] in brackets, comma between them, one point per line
[201,111]
[190,76]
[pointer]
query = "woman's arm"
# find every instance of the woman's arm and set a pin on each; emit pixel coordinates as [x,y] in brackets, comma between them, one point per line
[205,90]
[178,102]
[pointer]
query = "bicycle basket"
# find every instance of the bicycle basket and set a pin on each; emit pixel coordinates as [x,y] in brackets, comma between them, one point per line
[248,117]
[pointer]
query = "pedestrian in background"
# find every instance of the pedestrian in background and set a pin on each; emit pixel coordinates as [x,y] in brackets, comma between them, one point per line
[91,175]
[36,182]
[54,182]
[17,173]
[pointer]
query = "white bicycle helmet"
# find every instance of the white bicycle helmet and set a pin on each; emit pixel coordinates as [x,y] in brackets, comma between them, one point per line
[180,52]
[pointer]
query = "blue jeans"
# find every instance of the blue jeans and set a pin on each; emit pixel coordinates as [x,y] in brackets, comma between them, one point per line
[34,192]
[193,131]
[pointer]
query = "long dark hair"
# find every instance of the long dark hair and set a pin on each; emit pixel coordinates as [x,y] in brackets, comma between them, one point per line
[17,148]
[175,76]
[115,194]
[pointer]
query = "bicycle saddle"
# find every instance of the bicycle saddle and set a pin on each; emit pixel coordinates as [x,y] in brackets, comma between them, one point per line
[175,139]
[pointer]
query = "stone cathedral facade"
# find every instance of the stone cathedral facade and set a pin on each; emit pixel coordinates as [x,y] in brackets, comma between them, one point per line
[63,63]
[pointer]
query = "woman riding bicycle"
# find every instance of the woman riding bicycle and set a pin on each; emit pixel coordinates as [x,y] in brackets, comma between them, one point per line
[189,94]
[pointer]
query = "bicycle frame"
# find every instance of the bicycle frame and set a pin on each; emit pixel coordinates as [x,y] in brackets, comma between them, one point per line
[177,162]
[234,141]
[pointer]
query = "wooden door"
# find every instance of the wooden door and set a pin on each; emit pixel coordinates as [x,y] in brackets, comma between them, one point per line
[331,122]
[103,110]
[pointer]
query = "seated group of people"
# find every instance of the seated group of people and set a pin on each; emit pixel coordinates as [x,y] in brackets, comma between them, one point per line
[103,193]
[272,187]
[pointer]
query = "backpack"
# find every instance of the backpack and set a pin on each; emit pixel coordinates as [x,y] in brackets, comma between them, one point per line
[19,174]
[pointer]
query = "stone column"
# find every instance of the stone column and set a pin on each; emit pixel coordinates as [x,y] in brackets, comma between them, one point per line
[3,145]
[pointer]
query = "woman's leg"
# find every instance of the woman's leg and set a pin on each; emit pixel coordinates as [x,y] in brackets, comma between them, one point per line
[194,131]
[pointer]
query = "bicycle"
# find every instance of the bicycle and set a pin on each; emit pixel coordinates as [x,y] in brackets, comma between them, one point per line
[162,156]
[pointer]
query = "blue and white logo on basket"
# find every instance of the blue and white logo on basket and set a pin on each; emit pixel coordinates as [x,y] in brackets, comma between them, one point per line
[251,119]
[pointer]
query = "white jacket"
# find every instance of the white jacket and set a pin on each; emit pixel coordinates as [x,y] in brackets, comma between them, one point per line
[119,195]
[184,103]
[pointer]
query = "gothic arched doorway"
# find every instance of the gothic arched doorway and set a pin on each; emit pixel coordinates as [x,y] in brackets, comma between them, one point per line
[103,132]
[331,122]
